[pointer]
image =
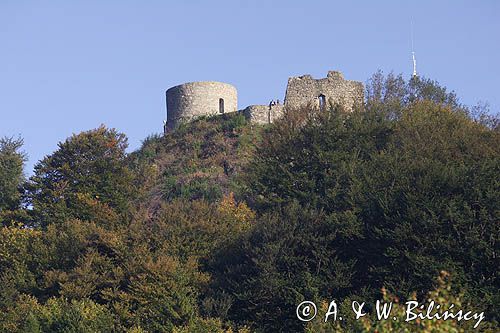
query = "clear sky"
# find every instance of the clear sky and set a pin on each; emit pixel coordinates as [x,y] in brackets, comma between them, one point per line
[69,66]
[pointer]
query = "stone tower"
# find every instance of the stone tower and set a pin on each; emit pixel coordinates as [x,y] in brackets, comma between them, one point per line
[305,90]
[334,89]
[190,100]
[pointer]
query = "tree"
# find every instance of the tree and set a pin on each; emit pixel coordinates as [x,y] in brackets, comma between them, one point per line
[56,315]
[11,172]
[290,256]
[87,175]
[393,90]
[443,295]
[11,177]
[408,189]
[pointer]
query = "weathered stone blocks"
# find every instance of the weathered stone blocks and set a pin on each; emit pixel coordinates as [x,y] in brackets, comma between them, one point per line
[195,99]
[190,100]
[304,90]
[263,114]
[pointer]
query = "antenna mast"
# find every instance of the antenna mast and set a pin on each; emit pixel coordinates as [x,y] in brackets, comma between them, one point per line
[413,53]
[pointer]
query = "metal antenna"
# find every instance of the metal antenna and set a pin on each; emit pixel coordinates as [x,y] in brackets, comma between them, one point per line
[413,52]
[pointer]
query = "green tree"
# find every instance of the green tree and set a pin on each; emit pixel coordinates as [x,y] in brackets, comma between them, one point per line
[86,175]
[393,91]
[56,315]
[408,188]
[290,256]
[11,177]
[444,295]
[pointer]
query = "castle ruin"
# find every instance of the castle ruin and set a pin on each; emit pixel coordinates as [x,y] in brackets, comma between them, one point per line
[188,101]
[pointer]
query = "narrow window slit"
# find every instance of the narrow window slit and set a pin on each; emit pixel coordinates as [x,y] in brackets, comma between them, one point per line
[221,105]
[322,101]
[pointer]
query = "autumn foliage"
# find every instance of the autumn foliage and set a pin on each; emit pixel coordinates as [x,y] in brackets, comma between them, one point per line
[225,226]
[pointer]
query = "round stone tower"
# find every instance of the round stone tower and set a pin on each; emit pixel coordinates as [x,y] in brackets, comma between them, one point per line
[190,100]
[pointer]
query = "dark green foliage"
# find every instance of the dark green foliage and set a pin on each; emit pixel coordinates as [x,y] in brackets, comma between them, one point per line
[290,256]
[11,177]
[342,204]
[409,189]
[11,172]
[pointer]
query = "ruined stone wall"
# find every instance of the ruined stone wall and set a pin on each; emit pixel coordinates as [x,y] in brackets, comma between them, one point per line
[190,100]
[305,90]
[263,114]
[194,99]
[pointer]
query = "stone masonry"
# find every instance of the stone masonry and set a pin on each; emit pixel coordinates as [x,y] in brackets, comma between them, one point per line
[304,90]
[191,100]
[263,114]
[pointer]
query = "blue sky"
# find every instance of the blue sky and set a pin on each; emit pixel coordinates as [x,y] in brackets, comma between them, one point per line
[69,66]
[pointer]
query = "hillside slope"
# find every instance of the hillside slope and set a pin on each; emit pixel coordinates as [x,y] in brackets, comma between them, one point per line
[202,159]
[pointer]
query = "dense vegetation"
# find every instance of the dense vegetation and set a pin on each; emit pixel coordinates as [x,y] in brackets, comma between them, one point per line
[224,226]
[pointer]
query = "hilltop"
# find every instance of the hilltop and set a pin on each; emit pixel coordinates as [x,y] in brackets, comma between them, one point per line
[225,225]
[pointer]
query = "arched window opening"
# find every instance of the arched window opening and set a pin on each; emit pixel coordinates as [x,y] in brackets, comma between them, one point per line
[221,105]
[322,101]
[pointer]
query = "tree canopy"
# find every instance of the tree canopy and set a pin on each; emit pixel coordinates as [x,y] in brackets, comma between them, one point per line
[86,173]
[225,226]
[11,178]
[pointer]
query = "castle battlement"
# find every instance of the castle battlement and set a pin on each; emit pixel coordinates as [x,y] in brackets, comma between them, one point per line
[194,99]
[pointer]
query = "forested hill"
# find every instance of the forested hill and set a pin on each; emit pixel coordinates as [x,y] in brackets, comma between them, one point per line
[224,226]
